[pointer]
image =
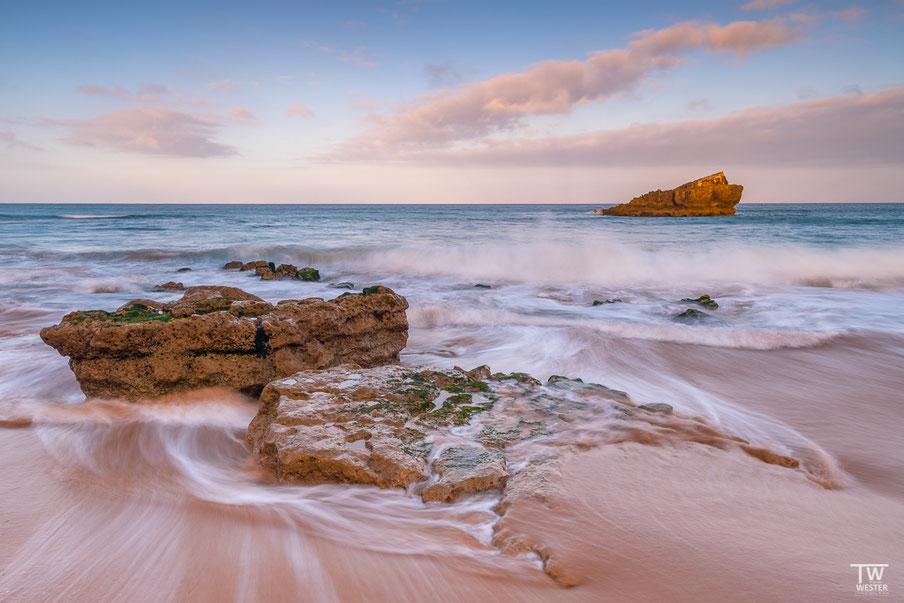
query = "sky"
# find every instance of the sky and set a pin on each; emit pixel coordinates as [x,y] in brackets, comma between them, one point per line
[449,101]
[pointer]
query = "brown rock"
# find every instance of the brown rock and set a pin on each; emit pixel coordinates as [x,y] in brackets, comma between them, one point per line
[374,426]
[709,196]
[234,265]
[287,271]
[466,469]
[224,336]
[253,265]
[170,286]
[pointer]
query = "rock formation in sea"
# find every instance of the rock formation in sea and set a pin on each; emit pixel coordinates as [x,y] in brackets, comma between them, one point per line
[709,196]
[447,432]
[269,271]
[225,336]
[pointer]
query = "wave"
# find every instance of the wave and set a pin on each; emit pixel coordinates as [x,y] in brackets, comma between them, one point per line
[430,316]
[615,264]
[87,217]
[585,261]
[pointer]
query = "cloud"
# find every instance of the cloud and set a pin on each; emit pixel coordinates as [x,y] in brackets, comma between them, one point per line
[447,74]
[502,103]
[760,4]
[242,114]
[353,57]
[222,85]
[854,13]
[13,143]
[843,130]
[356,57]
[813,15]
[299,110]
[740,37]
[148,130]
[699,104]
[148,92]
[851,89]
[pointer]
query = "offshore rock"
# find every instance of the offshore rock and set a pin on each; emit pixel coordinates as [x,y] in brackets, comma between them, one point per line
[704,300]
[287,271]
[223,336]
[709,196]
[255,264]
[443,433]
[691,316]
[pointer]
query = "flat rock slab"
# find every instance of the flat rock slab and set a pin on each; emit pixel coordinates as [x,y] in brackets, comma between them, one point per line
[442,433]
[225,336]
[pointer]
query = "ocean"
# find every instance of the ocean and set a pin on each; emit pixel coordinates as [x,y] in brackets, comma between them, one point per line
[805,355]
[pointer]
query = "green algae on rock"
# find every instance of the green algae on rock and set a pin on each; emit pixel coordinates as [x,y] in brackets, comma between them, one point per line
[393,426]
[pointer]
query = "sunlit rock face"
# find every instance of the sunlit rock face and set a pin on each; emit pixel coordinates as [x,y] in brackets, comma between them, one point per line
[709,196]
[223,336]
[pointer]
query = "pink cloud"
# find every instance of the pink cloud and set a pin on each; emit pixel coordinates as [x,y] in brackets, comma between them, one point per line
[502,103]
[148,92]
[222,85]
[854,13]
[148,130]
[760,4]
[740,37]
[842,130]
[356,57]
[299,110]
[242,114]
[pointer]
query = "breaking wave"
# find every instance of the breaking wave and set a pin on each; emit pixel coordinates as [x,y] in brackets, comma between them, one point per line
[587,262]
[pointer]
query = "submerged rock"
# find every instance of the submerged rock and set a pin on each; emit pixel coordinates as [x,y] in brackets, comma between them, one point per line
[224,336]
[704,300]
[447,432]
[691,316]
[186,269]
[466,469]
[599,302]
[342,285]
[662,407]
[709,196]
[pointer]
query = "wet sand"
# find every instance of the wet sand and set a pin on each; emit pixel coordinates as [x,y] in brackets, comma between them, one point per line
[106,500]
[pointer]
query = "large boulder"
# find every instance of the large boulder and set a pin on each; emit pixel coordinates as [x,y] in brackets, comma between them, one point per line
[225,336]
[709,196]
[447,432]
